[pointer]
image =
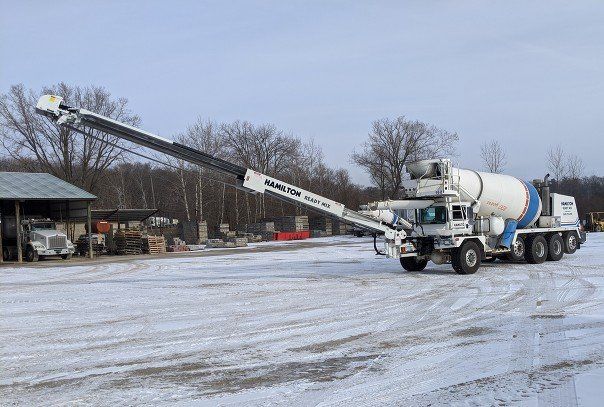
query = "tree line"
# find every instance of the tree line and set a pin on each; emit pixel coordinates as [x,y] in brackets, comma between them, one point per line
[112,169]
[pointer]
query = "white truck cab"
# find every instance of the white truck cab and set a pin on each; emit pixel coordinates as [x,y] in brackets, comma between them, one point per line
[39,238]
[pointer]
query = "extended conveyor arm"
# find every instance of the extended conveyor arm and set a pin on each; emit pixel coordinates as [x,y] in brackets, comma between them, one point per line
[247,179]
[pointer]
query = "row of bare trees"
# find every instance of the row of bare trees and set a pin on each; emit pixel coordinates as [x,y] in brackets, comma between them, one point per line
[97,162]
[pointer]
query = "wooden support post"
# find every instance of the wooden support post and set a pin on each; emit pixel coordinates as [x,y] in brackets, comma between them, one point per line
[89,221]
[18,224]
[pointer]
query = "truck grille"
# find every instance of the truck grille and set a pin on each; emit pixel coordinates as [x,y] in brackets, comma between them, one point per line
[57,242]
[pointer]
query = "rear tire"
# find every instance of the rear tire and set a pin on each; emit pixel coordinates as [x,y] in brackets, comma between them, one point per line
[571,242]
[517,250]
[466,259]
[536,249]
[555,247]
[413,264]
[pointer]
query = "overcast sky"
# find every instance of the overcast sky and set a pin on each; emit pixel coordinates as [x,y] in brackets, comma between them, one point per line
[530,74]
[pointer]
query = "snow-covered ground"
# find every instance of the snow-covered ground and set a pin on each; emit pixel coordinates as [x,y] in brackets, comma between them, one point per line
[325,322]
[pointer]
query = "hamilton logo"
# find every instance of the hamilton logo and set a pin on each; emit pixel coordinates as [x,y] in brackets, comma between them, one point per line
[282,188]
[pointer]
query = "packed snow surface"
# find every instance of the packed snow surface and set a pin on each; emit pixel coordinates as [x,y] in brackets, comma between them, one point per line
[320,322]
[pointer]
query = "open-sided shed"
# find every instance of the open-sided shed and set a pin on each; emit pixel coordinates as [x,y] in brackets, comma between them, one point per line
[41,195]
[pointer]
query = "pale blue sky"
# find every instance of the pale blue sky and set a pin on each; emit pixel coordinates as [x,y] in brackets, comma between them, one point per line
[530,74]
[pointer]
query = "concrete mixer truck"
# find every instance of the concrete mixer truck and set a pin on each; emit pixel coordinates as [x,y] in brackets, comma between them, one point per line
[448,215]
[465,217]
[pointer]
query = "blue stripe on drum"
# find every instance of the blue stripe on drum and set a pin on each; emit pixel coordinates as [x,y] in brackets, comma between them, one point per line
[534,202]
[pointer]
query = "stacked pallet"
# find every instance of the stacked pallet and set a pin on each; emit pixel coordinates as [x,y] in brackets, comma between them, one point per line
[154,244]
[128,241]
[322,224]
[292,223]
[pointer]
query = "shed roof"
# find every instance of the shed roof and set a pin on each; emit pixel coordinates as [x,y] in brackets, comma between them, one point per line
[123,215]
[39,186]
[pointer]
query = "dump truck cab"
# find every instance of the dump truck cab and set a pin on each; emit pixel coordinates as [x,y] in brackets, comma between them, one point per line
[41,238]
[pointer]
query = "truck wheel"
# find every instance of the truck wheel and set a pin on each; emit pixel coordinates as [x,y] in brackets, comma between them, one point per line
[517,250]
[571,242]
[466,259]
[66,256]
[536,249]
[413,264]
[555,247]
[30,254]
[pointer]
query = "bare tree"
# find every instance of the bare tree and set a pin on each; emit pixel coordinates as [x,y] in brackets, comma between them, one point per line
[575,167]
[203,135]
[263,148]
[556,162]
[394,143]
[493,156]
[41,145]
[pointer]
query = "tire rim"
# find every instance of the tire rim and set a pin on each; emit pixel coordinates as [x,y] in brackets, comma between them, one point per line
[572,242]
[557,247]
[471,258]
[519,248]
[540,249]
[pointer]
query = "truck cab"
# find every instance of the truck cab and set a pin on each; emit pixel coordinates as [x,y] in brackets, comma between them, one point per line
[444,219]
[39,237]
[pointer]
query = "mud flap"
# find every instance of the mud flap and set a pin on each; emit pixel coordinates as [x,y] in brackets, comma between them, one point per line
[508,233]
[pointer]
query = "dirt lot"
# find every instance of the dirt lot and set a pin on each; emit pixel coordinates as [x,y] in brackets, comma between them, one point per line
[324,321]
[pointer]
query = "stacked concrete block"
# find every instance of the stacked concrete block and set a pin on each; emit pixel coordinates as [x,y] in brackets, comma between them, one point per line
[291,223]
[322,224]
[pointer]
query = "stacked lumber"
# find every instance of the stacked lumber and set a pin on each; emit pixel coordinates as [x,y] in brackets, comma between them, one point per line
[322,224]
[292,223]
[128,241]
[154,244]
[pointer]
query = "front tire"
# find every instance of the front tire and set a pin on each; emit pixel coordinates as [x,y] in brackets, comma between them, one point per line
[466,259]
[66,256]
[555,247]
[30,254]
[536,249]
[413,263]
[571,242]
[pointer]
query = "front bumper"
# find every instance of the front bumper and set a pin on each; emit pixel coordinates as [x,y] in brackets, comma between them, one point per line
[54,252]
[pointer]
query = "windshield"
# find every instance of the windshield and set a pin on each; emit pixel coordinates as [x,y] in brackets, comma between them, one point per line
[43,226]
[433,215]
